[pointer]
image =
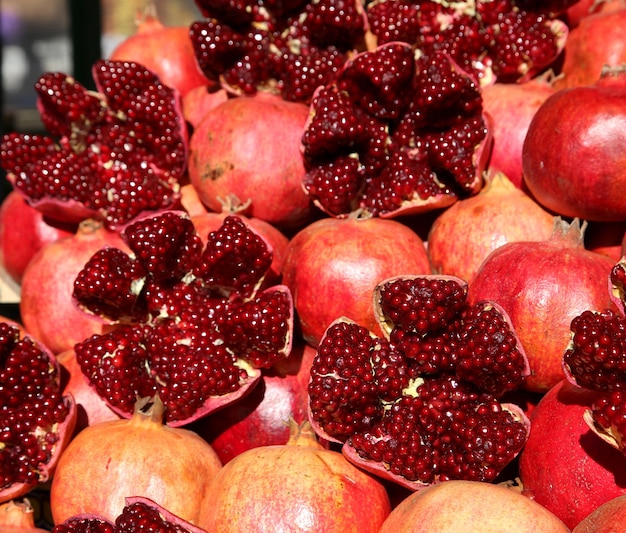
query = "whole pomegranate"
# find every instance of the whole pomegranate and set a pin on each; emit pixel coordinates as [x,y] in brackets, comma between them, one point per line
[610,516]
[165,50]
[250,147]
[471,506]
[564,466]
[584,8]
[139,456]
[46,307]
[464,234]
[18,517]
[298,486]
[332,266]
[574,153]
[543,285]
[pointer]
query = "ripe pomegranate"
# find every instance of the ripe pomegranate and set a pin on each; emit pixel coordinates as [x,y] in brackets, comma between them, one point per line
[564,466]
[542,296]
[459,505]
[262,417]
[596,42]
[584,8]
[18,517]
[23,231]
[332,265]
[574,153]
[465,233]
[231,153]
[139,456]
[298,485]
[46,307]
[165,50]
[610,516]
[199,101]
[421,404]
[511,107]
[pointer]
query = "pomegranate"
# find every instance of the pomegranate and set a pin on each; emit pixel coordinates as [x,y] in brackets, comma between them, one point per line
[262,417]
[511,107]
[573,154]
[610,516]
[230,152]
[23,231]
[37,420]
[460,505]
[46,305]
[199,101]
[584,8]
[120,151]
[564,466]
[139,456]
[398,132]
[464,234]
[332,266]
[165,50]
[420,405]
[543,285]
[596,42]
[18,517]
[295,486]
[189,320]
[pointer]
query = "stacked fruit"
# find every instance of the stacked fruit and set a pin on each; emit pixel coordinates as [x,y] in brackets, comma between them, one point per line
[358,266]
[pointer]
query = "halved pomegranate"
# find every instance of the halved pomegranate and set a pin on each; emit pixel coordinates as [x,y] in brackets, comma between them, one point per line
[189,321]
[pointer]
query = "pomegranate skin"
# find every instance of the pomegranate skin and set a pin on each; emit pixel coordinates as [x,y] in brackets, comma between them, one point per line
[609,517]
[542,286]
[564,466]
[574,153]
[472,506]
[333,265]
[18,517]
[249,147]
[299,486]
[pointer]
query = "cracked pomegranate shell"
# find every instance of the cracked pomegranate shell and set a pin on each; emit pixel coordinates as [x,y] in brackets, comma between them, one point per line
[421,405]
[188,320]
[36,419]
[110,155]
[399,131]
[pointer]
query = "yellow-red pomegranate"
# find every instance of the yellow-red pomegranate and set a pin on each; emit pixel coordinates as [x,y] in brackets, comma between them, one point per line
[610,516]
[18,517]
[298,486]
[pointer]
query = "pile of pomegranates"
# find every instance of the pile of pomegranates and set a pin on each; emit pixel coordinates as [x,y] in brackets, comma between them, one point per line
[323,266]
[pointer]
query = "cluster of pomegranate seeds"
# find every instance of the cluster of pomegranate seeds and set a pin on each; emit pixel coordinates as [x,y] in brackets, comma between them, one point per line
[288,48]
[191,323]
[504,40]
[422,404]
[397,131]
[32,411]
[112,154]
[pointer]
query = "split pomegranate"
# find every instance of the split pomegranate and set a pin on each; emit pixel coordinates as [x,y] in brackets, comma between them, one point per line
[36,420]
[138,514]
[398,131]
[165,50]
[333,264]
[190,323]
[18,517]
[111,155]
[140,456]
[46,305]
[508,41]
[420,405]
[465,233]
[298,486]
[460,505]
[231,153]
[573,154]
[543,285]
[564,466]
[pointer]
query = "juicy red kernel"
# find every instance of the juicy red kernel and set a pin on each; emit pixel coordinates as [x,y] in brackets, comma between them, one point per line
[609,413]
[618,280]
[139,516]
[596,357]
[79,524]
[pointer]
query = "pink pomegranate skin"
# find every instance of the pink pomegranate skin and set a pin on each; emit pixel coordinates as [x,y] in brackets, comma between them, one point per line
[249,147]
[610,516]
[564,466]
[574,154]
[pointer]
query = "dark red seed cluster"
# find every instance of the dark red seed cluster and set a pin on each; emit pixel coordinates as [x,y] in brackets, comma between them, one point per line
[85,525]
[609,413]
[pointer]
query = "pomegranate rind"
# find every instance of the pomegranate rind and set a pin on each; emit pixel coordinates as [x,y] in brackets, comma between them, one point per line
[165,514]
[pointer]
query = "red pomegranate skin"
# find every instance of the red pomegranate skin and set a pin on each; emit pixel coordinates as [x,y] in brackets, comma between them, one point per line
[564,466]
[249,147]
[610,516]
[333,265]
[542,286]
[574,153]
[459,505]
[585,8]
